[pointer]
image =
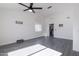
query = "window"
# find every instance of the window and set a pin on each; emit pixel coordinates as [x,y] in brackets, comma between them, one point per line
[38,28]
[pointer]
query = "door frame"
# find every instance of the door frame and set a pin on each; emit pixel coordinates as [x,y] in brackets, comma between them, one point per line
[53,29]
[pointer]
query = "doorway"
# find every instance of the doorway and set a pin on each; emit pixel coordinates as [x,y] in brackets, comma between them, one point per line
[51,30]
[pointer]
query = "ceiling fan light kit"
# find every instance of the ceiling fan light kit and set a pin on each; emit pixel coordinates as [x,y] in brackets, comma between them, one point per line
[30,10]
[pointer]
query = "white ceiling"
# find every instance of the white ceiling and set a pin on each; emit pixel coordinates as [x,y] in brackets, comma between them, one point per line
[44,12]
[16,6]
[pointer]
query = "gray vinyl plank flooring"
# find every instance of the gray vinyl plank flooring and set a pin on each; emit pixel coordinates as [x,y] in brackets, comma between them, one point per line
[62,45]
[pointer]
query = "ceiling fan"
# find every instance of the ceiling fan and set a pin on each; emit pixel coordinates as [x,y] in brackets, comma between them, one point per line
[30,8]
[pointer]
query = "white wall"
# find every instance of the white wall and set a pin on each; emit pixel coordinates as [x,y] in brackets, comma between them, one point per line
[76,28]
[59,16]
[10,31]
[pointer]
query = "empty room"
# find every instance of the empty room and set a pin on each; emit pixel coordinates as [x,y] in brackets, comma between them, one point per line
[39,29]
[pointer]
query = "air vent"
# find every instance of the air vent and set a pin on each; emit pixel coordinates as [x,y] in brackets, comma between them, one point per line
[19,22]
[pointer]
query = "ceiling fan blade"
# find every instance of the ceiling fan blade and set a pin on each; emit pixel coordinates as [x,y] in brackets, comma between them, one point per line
[23,5]
[33,11]
[49,7]
[31,4]
[26,9]
[37,8]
